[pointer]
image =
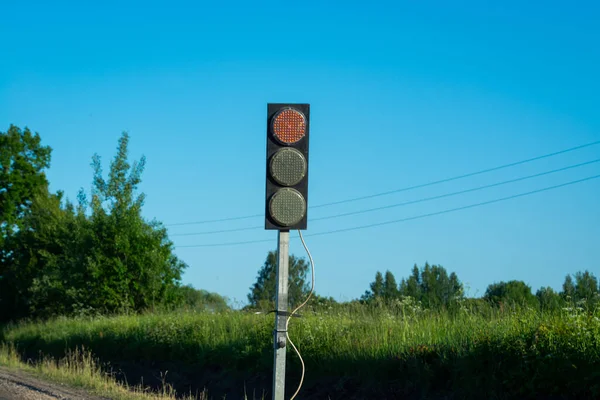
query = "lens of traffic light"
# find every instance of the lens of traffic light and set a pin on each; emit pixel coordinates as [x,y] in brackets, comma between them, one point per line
[287,207]
[288,166]
[289,126]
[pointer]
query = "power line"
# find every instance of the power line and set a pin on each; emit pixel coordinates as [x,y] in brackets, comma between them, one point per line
[456,209]
[404,203]
[248,228]
[410,218]
[210,221]
[228,244]
[457,177]
[402,189]
[457,193]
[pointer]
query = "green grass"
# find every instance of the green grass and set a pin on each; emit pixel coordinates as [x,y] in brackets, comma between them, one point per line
[358,354]
[79,369]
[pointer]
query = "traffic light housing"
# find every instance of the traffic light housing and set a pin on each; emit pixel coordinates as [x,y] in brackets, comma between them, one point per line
[286,200]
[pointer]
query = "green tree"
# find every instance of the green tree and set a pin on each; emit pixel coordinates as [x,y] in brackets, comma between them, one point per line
[549,299]
[44,275]
[433,287]
[264,291]
[377,288]
[130,263]
[63,261]
[390,287]
[23,183]
[31,274]
[201,300]
[583,290]
[568,289]
[22,163]
[511,293]
[411,287]
[318,302]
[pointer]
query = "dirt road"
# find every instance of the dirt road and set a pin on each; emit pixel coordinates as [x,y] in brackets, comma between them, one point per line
[20,386]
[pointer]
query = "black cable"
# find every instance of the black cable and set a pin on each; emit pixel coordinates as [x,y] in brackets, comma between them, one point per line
[410,218]
[456,209]
[209,221]
[248,228]
[227,244]
[456,177]
[454,193]
[404,203]
[402,189]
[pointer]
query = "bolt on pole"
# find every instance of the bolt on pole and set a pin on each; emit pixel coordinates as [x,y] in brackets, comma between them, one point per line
[281,306]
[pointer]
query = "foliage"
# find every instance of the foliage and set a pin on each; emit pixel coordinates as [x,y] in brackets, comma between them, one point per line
[80,369]
[367,353]
[22,161]
[130,261]
[98,257]
[548,299]
[200,300]
[568,291]
[511,293]
[431,287]
[39,280]
[263,292]
[434,288]
[390,287]
[413,286]
[584,290]
[26,206]
[377,288]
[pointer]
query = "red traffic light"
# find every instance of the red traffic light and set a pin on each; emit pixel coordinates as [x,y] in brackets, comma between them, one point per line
[289,126]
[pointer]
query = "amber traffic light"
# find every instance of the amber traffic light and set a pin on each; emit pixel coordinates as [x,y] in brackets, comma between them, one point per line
[286,200]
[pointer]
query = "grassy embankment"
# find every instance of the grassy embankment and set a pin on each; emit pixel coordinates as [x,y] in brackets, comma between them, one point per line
[368,354]
[78,369]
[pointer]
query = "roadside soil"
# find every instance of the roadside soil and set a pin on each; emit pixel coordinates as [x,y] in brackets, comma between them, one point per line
[17,385]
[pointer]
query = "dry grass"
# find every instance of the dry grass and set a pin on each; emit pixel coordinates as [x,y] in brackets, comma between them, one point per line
[79,369]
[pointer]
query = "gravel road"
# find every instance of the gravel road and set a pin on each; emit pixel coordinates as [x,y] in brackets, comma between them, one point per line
[21,386]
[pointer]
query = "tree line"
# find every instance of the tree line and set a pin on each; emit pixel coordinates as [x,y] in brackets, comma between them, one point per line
[431,287]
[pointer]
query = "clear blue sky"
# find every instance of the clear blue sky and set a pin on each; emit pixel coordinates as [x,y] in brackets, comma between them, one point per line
[401,93]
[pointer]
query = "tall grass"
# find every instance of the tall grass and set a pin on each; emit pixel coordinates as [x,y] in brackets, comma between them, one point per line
[361,353]
[79,369]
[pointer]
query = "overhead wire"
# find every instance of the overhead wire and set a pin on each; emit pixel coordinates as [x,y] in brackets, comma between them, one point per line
[411,218]
[457,177]
[421,200]
[456,193]
[210,221]
[483,203]
[483,171]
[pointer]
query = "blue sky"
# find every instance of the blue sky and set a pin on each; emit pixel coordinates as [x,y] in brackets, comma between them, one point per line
[401,93]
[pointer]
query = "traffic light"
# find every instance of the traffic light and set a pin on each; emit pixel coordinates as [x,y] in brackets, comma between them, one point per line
[286,200]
